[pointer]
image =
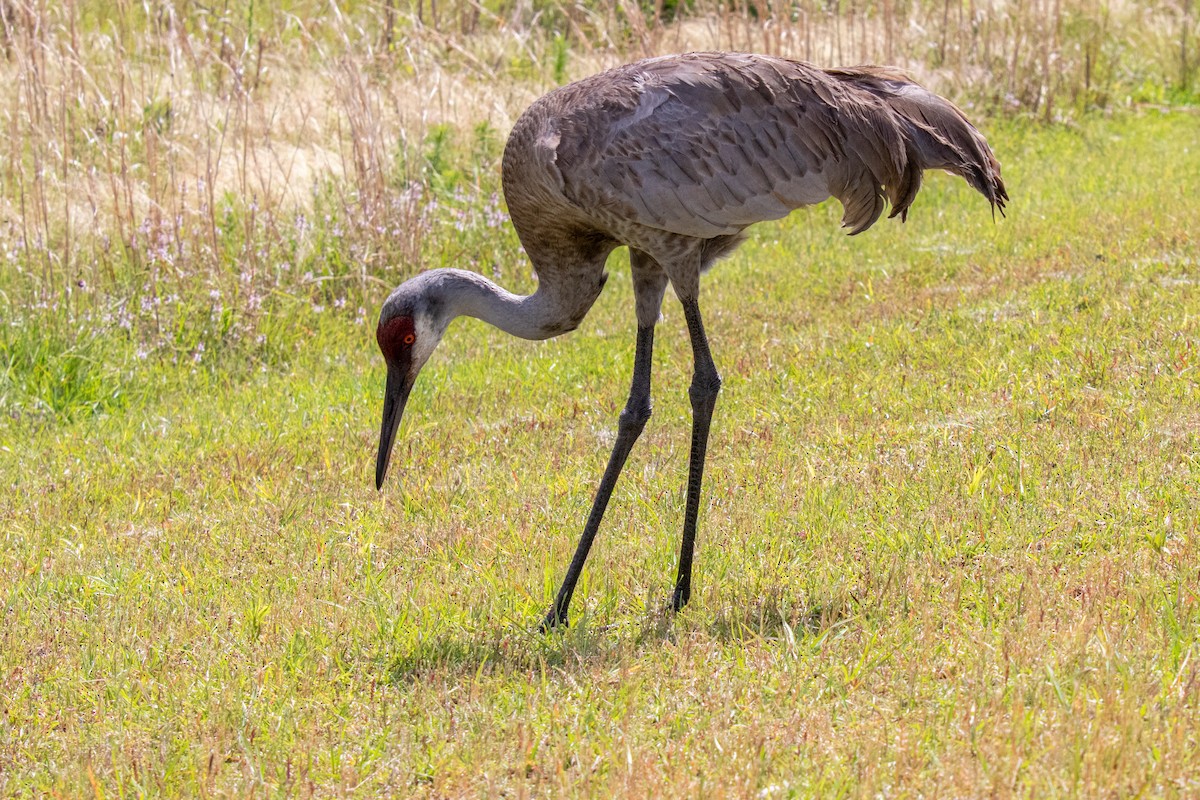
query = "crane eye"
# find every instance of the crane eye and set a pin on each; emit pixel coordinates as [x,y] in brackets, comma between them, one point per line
[409,338]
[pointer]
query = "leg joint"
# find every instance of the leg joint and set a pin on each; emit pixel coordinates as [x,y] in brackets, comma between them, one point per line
[704,388]
[635,415]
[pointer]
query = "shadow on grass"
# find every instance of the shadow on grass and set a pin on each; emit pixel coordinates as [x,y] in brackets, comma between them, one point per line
[459,651]
[456,651]
[777,616]
[774,616]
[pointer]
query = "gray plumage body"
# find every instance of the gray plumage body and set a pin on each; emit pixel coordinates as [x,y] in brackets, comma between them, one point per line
[675,157]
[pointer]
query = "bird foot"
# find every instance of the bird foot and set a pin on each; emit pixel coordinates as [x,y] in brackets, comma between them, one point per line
[552,621]
[680,598]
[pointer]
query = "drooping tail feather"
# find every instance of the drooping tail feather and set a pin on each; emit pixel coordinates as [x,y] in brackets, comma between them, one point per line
[937,135]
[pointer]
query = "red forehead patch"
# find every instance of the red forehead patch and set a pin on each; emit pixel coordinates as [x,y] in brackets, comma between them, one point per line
[395,338]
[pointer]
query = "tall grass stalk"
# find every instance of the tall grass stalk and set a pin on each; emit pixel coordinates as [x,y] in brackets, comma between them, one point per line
[177,175]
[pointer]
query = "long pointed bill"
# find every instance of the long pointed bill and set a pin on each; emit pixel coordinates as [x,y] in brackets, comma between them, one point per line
[394,398]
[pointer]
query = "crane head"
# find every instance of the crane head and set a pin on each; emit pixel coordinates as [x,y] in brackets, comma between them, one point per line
[410,327]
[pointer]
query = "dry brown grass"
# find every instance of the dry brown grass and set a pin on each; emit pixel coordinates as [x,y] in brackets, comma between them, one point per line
[198,153]
[115,120]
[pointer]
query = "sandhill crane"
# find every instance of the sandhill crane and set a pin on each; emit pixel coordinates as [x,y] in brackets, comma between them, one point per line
[675,157]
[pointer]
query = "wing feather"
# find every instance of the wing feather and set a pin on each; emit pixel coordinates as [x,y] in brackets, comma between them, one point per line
[708,143]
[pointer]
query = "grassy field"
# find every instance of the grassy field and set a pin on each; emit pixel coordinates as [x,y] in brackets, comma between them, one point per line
[948,546]
[948,541]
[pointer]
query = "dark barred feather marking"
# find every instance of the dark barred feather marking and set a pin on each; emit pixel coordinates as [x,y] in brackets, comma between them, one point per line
[706,144]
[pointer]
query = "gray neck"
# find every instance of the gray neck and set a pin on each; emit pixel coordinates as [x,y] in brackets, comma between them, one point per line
[472,295]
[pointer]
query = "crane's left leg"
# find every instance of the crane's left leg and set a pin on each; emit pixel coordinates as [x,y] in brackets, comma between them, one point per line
[633,418]
[649,284]
[706,384]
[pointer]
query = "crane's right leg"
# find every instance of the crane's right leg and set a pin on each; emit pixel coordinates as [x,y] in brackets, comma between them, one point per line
[649,283]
